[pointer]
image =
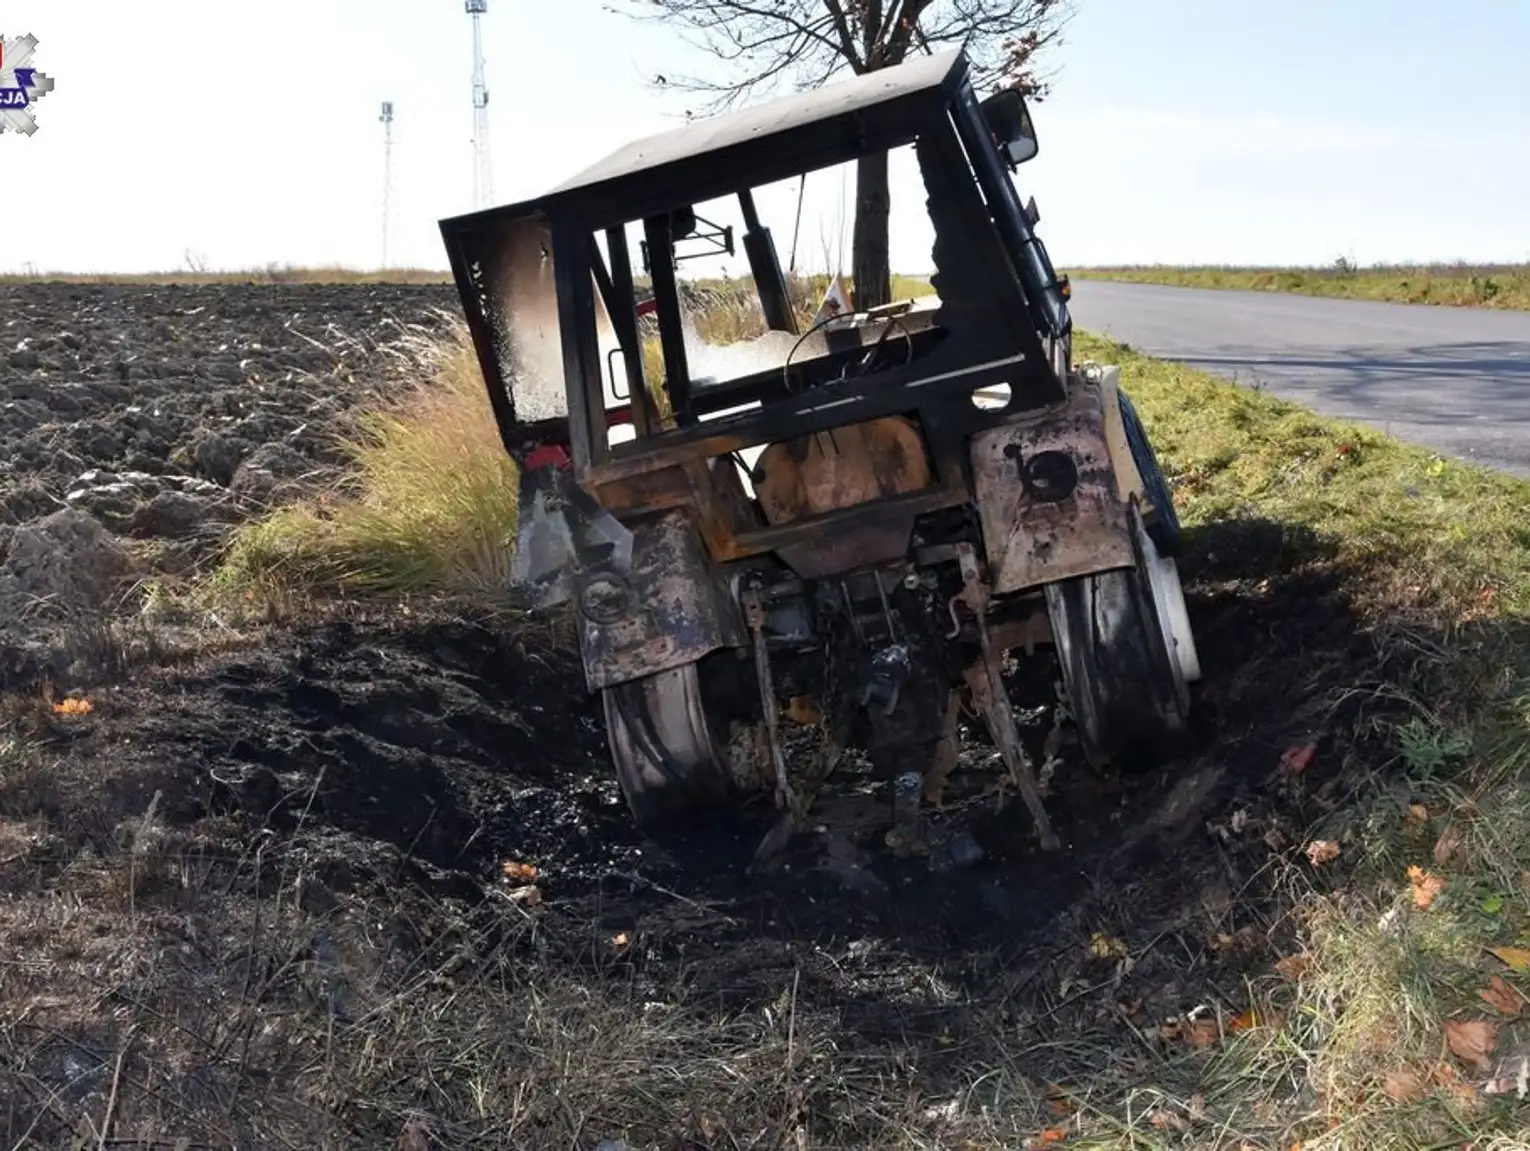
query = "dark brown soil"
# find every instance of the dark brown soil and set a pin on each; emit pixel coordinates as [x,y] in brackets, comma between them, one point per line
[322,809]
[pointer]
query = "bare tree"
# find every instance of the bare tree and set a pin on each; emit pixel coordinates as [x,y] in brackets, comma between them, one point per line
[763,44]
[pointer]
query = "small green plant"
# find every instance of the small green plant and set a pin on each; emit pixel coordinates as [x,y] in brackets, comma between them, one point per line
[1428,748]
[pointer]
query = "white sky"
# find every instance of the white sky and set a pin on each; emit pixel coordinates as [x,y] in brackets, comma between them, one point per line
[1200,131]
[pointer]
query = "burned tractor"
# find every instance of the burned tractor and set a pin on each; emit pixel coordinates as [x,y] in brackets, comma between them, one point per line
[868,508]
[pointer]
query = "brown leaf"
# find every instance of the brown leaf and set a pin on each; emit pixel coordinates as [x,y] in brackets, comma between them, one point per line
[1163,1119]
[620,940]
[1417,815]
[1518,958]
[522,872]
[72,706]
[1472,1041]
[1404,1085]
[1202,1032]
[1321,851]
[803,711]
[1244,1021]
[1426,887]
[414,1137]
[1502,997]
[1293,967]
[1448,844]
[1049,1136]
[1297,758]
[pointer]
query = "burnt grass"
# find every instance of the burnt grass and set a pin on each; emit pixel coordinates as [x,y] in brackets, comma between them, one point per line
[255,896]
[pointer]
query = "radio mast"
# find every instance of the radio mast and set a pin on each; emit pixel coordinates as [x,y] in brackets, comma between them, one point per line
[483,171]
[387,123]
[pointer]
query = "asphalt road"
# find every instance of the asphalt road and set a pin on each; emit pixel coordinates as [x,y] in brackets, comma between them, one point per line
[1453,379]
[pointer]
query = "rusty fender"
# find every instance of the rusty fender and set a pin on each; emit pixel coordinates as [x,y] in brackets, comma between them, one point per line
[669,609]
[1048,496]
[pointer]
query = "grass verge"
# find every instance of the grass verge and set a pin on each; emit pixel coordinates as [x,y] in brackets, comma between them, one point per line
[1396,1018]
[1505,286]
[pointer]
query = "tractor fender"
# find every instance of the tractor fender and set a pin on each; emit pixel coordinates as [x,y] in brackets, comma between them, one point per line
[1052,490]
[667,607]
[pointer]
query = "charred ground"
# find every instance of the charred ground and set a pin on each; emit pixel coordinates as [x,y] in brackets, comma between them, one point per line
[256,894]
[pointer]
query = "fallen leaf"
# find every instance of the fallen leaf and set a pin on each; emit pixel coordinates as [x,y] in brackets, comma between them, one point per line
[1203,1032]
[1499,995]
[1049,1136]
[1321,851]
[1103,946]
[1448,844]
[1197,1107]
[522,872]
[803,711]
[529,896]
[74,707]
[1296,759]
[1472,1041]
[1165,1120]
[1417,814]
[1470,1101]
[1404,1085]
[414,1137]
[1518,958]
[1426,887]
[1243,1021]
[620,940]
[1293,967]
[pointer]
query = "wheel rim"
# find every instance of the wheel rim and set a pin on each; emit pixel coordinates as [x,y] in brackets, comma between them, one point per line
[1162,575]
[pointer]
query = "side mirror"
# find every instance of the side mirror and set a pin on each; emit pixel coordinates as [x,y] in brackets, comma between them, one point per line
[1009,119]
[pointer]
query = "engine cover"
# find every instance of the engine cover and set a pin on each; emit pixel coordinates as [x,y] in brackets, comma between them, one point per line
[842,468]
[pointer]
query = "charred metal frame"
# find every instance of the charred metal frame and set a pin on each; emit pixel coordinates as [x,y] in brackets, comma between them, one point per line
[1003,298]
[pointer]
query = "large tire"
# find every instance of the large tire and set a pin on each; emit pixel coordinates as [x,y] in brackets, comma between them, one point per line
[1163,526]
[1127,689]
[667,756]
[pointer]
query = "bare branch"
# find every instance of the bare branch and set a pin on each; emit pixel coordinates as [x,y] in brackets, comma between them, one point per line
[762,43]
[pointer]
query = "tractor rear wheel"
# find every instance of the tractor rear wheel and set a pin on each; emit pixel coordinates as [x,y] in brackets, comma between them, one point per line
[1123,641]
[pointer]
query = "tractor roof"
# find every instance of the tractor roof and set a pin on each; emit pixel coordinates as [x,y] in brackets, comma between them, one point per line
[773,139]
[923,75]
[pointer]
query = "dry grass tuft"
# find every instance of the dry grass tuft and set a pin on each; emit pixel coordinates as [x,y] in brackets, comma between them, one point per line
[431,506]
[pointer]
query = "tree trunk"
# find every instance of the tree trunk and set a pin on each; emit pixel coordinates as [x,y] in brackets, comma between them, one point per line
[873,211]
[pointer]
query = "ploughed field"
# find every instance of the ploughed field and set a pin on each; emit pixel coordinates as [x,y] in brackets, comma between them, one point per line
[337,875]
